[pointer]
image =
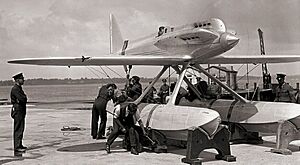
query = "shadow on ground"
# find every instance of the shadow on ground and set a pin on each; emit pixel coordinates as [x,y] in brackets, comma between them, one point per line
[205,156]
[19,157]
[90,147]
[30,153]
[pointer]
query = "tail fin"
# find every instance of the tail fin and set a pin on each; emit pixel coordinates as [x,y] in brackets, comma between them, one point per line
[115,37]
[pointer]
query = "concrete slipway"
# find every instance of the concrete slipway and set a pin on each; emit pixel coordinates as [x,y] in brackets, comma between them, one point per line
[47,144]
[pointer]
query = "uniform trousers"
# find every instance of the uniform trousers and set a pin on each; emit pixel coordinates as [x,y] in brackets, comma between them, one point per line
[99,109]
[19,127]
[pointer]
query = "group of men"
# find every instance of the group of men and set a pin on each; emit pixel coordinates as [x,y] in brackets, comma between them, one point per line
[126,113]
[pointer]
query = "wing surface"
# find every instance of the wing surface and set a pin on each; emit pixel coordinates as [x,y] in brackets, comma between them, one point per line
[105,60]
[248,59]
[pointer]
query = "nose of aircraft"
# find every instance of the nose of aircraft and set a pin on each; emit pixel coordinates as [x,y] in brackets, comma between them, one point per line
[228,41]
[231,40]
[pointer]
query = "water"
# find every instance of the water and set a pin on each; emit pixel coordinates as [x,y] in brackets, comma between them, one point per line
[79,96]
[75,96]
[54,96]
[52,93]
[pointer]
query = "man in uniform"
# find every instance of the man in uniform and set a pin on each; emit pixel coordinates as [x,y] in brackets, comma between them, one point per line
[149,97]
[18,112]
[214,90]
[163,91]
[134,90]
[284,92]
[125,117]
[202,86]
[106,93]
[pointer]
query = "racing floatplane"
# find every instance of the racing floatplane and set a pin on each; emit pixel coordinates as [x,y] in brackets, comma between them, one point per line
[197,122]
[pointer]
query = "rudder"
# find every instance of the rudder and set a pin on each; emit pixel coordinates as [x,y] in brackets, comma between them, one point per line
[115,37]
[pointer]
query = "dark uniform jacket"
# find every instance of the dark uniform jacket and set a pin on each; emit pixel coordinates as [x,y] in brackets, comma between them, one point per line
[134,91]
[18,100]
[103,93]
[164,90]
[128,120]
[102,98]
[285,93]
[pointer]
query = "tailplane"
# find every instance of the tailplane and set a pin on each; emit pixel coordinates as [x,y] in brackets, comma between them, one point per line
[115,37]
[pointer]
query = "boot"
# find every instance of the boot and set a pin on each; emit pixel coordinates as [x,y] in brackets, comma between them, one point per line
[23,150]
[133,151]
[107,148]
[23,147]
[100,137]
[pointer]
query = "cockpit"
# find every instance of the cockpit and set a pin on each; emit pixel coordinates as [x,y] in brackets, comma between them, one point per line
[164,29]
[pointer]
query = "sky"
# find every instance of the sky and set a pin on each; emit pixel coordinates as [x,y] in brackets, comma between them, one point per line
[64,28]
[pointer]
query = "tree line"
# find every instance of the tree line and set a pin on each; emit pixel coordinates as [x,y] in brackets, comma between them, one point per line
[66,81]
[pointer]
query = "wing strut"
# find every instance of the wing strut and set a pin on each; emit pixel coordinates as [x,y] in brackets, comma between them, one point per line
[178,84]
[137,101]
[188,83]
[239,97]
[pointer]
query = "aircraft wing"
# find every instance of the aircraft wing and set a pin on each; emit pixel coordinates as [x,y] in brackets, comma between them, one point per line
[155,60]
[105,60]
[248,59]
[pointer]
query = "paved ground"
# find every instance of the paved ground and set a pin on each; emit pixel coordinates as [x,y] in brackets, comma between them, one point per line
[49,145]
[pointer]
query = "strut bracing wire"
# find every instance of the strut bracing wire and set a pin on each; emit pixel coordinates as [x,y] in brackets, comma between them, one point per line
[248,72]
[91,70]
[114,72]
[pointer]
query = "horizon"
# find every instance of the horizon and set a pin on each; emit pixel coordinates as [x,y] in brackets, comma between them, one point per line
[292,78]
[105,78]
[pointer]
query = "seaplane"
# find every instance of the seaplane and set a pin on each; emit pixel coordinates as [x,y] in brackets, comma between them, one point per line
[189,46]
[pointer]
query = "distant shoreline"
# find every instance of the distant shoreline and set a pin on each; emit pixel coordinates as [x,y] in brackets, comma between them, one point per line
[69,81]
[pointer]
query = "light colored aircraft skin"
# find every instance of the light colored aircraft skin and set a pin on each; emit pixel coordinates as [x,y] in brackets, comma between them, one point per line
[282,119]
[192,44]
[256,116]
[174,121]
[187,43]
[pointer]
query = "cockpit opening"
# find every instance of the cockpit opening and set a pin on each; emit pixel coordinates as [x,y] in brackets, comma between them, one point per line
[160,31]
[164,29]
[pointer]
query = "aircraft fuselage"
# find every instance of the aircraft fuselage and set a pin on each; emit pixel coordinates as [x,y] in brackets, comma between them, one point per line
[195,40]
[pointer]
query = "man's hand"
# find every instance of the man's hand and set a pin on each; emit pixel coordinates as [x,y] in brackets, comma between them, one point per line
[145,133]
[123,130]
